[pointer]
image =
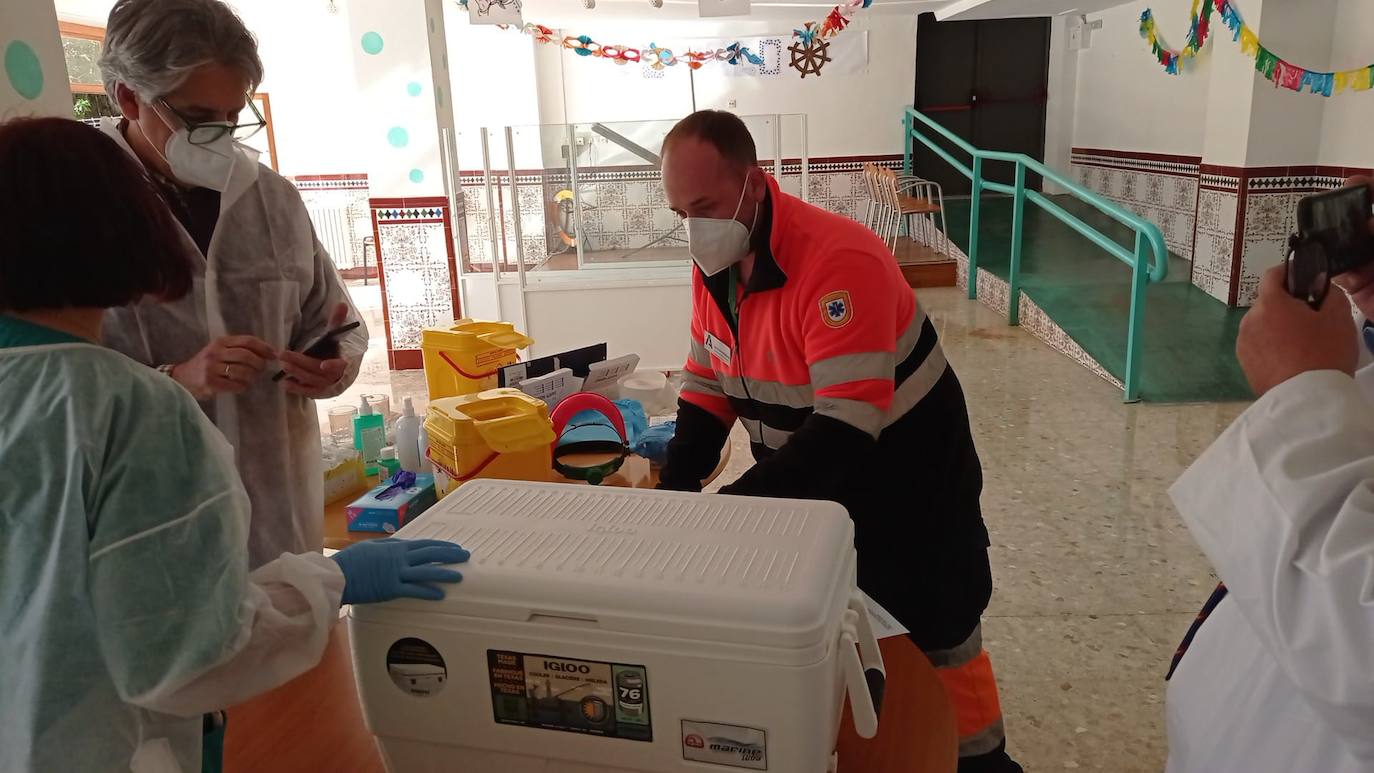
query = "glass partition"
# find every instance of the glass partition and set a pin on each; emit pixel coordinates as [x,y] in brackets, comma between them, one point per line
[586,200]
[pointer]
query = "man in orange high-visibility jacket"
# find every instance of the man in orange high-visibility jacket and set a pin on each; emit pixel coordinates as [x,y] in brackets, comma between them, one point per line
[804,330]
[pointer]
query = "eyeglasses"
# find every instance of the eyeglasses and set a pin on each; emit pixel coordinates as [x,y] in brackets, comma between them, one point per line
[207,132]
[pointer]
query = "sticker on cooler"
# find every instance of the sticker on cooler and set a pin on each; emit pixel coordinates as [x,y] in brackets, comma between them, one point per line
[576,696]
[732,746]
[416,667]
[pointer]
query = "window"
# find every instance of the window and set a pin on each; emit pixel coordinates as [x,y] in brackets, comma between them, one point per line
[81,45]
[265,142]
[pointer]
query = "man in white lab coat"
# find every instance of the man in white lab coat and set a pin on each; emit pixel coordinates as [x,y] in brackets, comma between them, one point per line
[1278,674]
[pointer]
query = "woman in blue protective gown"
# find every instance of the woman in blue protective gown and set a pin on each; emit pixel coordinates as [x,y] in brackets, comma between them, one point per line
[129,611]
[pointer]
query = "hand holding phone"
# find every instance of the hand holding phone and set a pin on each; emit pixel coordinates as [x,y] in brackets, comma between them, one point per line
[1333,238]
[327,348]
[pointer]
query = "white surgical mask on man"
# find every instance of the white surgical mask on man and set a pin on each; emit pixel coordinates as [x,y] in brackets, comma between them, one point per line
[718,243]
[200,166]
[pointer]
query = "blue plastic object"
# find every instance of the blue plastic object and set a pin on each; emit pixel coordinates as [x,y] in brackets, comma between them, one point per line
[387,569]
[653,444]
[587,426]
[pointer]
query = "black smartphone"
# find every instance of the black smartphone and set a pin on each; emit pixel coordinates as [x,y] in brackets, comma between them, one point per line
[1339,221]
[327,348]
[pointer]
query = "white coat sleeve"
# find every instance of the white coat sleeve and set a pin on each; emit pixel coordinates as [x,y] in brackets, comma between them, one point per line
[1283,505]
[327,291]
[181,624]
[291,606]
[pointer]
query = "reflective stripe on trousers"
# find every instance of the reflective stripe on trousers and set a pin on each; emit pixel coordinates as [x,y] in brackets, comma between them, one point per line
[966,672]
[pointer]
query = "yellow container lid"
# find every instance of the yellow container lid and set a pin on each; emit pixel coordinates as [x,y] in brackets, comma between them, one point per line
[504,420]
[474,335]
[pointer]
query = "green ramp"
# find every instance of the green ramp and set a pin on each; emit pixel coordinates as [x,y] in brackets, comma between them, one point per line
[1189,344]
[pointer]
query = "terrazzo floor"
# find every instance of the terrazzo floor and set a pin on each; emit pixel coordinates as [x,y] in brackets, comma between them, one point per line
[1096,577]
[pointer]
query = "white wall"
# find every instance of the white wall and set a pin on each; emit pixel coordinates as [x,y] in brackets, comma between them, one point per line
[310,81]
[847,115]
[382,104]
[1126,101]
[1349,124]
[652,321]
[307,55]
[31,26]
[492,73]
[1285,126]
[1060,107]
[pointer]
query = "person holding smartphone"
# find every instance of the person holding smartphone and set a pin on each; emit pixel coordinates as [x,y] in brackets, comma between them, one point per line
[1277,673]
[182,72]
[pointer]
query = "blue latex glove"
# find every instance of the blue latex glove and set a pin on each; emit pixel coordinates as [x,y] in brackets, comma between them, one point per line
[386,569]
[653,444]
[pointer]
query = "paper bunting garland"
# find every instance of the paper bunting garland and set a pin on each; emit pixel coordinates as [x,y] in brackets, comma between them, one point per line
[733,55]
[1282,73]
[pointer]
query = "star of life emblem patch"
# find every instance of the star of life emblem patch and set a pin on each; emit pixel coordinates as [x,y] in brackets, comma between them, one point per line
[836,309]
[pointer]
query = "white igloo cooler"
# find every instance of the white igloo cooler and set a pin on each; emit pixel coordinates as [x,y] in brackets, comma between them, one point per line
[602,630]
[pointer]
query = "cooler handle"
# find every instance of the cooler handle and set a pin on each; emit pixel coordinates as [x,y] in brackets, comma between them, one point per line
[874,671]
[860,697]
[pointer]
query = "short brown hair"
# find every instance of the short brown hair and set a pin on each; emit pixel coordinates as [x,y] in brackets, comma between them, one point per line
[723,131]
[81,223]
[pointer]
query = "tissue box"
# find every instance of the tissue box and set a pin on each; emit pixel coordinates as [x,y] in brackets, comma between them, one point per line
[344,477]
[372,514]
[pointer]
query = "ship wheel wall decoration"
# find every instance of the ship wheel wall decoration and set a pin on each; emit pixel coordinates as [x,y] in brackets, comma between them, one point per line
[809,57]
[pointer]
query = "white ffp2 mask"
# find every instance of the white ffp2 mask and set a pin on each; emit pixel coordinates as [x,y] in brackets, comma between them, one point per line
[201,166]
[718,243]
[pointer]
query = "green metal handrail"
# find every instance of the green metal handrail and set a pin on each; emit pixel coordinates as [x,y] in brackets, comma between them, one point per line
[1143,271]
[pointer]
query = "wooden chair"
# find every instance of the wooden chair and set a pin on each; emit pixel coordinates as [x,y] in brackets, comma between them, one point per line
[874,206]
[898,205]
[929,198]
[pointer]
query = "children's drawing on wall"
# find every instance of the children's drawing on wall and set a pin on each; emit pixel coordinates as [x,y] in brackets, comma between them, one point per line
[495,12]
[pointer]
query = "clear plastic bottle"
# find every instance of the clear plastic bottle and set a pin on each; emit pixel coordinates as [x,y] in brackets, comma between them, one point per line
[426,466]
[408,429]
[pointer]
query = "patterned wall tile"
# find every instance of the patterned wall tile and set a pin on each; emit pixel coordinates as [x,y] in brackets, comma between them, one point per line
[625,209]
[418,286]
[1257,256]
[1184,193]
[347,209]
[1154,190]
[664,219]
[1270,215]
[1166,199]
[1214,246]
[993,292]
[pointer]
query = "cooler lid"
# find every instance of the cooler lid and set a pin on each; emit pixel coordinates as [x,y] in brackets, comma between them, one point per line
[686,566]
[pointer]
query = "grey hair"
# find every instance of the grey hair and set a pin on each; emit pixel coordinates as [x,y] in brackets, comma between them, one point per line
[152,46]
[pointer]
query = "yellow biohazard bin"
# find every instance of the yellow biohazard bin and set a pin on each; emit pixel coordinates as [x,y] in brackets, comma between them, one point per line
[499,433]
[463,358]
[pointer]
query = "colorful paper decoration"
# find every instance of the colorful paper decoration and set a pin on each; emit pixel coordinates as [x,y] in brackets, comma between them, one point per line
[809,52]
[1282,73]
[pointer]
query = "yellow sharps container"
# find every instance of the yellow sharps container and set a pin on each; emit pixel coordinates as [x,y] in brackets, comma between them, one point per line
[463,358]
[499,433]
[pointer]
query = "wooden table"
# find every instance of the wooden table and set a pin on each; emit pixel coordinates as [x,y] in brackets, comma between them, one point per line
[314,723]
[636,472]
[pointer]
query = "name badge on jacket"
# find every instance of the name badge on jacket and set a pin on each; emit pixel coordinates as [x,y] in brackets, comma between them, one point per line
[719,348]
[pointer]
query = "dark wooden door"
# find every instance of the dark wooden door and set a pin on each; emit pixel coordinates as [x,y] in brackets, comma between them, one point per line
[987,81]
